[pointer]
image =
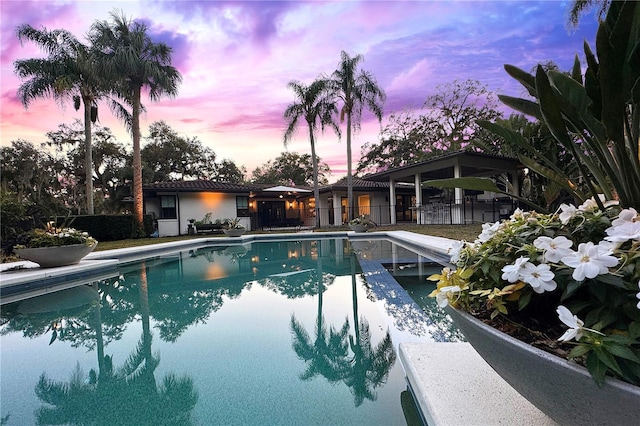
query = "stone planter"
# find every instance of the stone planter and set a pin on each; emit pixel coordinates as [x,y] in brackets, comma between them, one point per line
[50,257]
[234,232]
[359,228]
[561,389]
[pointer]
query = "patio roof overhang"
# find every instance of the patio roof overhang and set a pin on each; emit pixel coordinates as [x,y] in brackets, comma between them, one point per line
[282,188]
[470,164]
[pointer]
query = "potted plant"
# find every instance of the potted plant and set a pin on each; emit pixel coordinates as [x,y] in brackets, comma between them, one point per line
[233,228]
[51,247]
[361,224]
[566,283]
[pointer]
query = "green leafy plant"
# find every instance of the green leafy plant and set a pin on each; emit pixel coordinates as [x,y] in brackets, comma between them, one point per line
[362,220]
[568,280]
[233,224]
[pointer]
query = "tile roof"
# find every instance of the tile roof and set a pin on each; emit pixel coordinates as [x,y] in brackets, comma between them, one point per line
[201,185]
[211,186]
[358,184]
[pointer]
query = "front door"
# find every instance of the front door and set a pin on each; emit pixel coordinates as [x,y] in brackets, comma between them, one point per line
[404,212]
[271,213]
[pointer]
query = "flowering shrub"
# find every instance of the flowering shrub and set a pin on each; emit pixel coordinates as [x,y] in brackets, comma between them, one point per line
[576,270]
[53,237]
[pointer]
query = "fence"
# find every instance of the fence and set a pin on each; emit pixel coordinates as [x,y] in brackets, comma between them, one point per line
[438,213]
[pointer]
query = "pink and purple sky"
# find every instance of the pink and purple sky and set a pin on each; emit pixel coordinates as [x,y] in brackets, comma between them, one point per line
[236,58]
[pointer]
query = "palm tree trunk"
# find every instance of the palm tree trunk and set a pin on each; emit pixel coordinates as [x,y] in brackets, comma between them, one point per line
[99,337]
[349,173]
[354,296]
[137,163]
[88,159]
[320,289]
[316,189]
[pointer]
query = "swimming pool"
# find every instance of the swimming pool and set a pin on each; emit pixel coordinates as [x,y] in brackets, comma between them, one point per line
[236,334]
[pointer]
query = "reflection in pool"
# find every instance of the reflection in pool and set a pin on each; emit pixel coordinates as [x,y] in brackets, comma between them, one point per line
[285,332]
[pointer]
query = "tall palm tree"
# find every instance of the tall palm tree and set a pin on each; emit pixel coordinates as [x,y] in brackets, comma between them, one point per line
[134,61]
[314,104]
[356,89]
[69,70]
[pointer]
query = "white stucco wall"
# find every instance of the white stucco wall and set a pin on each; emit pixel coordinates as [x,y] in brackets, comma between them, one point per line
[195,206]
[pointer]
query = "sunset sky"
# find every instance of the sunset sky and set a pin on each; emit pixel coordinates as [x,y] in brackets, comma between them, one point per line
[236,58]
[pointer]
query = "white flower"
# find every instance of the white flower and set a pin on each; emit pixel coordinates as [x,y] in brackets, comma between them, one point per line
[638,295]
[513,273]
[554,248]
[539,277]
[454,250]
[626,227]
[605,248]
[589,261]
[443,295]
[626,215]
[591,204]
[517,214]
[573,322]
[488,231]
[568,212]
[625,232]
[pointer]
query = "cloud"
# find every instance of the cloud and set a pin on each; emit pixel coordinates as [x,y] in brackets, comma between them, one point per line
[239,20]
[15,13]
[179,43]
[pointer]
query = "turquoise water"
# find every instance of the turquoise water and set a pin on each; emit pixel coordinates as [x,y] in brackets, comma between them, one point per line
[262,333]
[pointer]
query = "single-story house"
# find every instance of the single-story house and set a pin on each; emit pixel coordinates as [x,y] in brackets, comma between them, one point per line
[389,197]
[174,204]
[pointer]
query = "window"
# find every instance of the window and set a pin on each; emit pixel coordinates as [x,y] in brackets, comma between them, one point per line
[168,207]
[242,206]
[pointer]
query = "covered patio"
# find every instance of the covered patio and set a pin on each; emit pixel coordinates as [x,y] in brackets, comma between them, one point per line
[457,206]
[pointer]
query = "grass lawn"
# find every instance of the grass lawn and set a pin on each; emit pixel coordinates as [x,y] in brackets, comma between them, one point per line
[455,232]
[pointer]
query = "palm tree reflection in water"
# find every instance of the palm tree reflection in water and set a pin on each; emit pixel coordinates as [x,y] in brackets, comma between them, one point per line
[362,369]
[131,388]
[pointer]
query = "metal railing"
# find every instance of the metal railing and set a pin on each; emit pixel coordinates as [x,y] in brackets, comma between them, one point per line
[437,213]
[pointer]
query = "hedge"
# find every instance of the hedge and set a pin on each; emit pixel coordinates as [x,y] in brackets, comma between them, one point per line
[104,227]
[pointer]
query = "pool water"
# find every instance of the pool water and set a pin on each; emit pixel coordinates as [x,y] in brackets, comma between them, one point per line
[277,333]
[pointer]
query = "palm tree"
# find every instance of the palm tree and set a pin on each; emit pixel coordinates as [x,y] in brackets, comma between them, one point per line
[313,104]
[134,61]
[356,90]
[578,7]
[68,70]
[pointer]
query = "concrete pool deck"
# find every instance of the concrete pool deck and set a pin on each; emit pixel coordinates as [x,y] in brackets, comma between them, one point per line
[451,383]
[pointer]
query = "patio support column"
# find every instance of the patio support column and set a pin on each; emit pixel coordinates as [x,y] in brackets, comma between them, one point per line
[458,203]
[457,173]
[515,183]
[337,210]
[392,201]
[418,184]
